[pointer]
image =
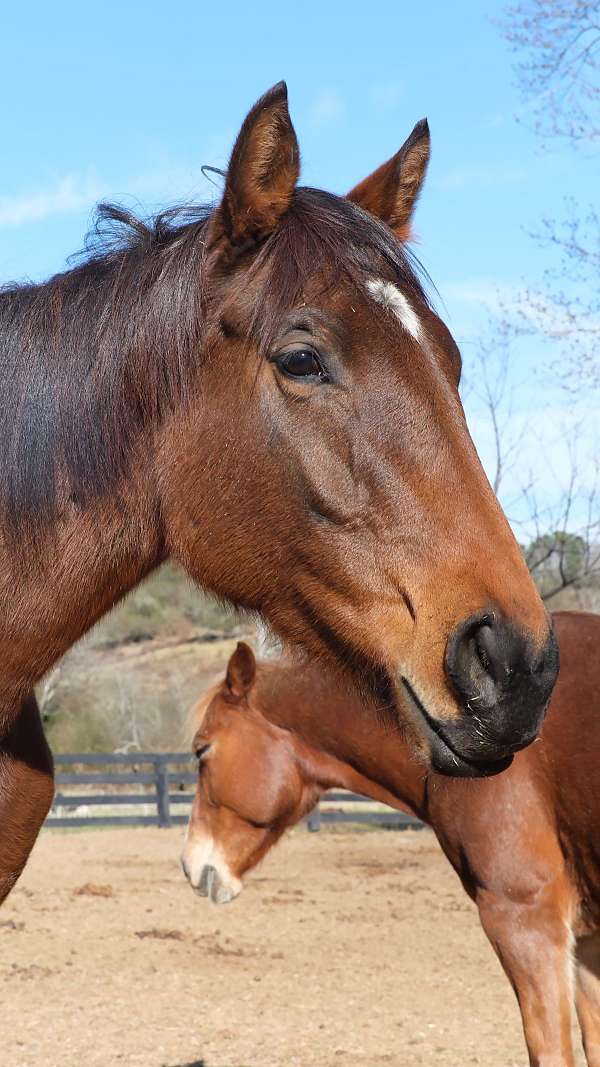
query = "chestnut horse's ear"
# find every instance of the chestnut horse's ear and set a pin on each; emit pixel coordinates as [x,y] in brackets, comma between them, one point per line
[391,192]
[241,671]
[262,173]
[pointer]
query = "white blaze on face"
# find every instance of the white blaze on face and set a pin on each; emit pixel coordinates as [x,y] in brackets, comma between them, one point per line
[389,296]
[208,871]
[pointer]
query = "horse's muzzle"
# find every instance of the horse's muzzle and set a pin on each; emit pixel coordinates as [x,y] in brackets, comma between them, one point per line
[209,879]
[212,886]
[503,685]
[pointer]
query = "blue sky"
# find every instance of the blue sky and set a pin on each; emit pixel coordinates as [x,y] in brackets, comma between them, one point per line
[127,101]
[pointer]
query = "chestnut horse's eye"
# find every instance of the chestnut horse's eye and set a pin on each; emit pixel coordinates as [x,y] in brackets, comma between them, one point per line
[301,363]
[202,751]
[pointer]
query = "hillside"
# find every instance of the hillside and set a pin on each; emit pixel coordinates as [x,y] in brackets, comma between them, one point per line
[130,683]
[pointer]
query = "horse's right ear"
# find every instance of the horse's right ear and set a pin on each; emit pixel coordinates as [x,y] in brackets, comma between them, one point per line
[262,173]
[241,671]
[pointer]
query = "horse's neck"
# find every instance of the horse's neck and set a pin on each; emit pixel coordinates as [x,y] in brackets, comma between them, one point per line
[80,568]
[328,772]
[348,744]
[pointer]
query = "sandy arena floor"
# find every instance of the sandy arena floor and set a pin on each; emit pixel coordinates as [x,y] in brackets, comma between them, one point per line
[353,948]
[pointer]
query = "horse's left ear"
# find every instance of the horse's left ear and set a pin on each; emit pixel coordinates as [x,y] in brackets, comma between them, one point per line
[241,671]
[262,173]
[391,192]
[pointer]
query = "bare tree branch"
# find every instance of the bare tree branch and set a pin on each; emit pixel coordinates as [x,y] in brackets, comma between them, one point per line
[556,513]
[558,67]
[557,49]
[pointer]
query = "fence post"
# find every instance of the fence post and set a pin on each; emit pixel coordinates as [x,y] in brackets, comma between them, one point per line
[313,823]
[162,791]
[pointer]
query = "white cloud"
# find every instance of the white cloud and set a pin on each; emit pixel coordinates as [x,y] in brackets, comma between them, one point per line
[471,301]
[496,119]
[532,312]
[490,297]
[327,107]
[71,193]
[481,291]
[165,183]
[460,178]
[385,96]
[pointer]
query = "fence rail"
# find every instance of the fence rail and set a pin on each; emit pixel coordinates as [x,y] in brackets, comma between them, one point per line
[162,778]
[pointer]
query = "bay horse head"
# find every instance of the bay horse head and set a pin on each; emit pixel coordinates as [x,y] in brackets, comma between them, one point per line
[324,474]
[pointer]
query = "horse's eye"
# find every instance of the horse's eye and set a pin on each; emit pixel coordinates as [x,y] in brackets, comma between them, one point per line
[201,752]
[301,363]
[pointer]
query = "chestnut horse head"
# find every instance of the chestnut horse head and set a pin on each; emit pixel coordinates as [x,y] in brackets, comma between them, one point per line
[266,394]
[254,781]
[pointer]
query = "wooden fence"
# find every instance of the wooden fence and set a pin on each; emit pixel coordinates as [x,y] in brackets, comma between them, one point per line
[161,781]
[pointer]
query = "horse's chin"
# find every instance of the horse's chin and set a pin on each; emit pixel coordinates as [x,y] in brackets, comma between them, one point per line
[442,756]
[445,760]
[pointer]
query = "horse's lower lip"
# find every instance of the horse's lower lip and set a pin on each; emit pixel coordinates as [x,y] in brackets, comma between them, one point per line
[444,757]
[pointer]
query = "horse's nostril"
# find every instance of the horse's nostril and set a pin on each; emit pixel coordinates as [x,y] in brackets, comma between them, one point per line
[503,682]
[495,650]
[483,654]
[207,879]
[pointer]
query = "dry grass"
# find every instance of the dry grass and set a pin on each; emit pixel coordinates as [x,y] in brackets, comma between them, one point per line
[129,685]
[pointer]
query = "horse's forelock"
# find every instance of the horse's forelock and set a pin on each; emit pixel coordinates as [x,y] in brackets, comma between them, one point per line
[325,236]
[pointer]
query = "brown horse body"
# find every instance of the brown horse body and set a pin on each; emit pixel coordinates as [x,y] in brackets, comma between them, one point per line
[264,394]
[26,790]
[525,844]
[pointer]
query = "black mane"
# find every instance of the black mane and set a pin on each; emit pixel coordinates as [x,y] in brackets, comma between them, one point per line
[96,354]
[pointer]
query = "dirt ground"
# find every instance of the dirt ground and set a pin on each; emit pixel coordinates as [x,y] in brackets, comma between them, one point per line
[345,948]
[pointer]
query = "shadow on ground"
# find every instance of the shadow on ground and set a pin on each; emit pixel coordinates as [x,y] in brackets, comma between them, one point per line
[193,1063]
[200,1063]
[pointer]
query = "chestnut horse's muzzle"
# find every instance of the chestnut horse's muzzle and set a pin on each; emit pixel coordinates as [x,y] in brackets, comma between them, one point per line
[212,886]
[207,872]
